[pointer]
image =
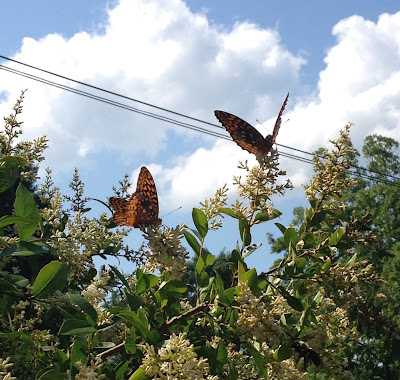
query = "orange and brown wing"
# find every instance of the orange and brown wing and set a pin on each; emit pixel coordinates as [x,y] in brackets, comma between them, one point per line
[119,207]
[272,138]
[242,133]
[142,208]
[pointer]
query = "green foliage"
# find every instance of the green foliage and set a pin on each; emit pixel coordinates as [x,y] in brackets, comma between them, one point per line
[213,317]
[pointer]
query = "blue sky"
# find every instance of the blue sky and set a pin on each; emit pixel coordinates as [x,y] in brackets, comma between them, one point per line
[339,60]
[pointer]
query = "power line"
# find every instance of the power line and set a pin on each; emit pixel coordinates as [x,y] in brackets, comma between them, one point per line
[133,109]
[111,92]
[164,118]
[112,102]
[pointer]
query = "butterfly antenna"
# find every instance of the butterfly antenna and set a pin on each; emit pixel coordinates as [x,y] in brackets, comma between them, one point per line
[105,204]
[171,212]
[259,122]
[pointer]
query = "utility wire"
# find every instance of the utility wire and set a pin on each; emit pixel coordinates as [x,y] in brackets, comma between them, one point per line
[114,103]
[167,119]
[111,92]
[130,108]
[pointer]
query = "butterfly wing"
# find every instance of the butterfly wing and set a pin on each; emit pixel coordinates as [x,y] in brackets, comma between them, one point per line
[271,138]
[242,133]
[119,207]
[143,206]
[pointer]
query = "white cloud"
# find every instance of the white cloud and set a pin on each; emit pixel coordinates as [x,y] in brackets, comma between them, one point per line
[361,83]
[162,53]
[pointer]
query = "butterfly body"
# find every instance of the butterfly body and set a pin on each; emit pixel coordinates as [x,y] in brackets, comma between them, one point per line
[246,136]
[142,207]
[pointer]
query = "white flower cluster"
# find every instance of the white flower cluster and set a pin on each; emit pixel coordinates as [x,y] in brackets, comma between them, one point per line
[89,372]
[211,207]
[82,239]
[5,365]
[331,167]
[175,360]
[259,185]
[256,318]
[166,253]
[97,289]
[286,369]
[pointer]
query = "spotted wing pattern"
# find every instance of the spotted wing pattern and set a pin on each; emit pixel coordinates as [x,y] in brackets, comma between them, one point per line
[142,208]
[245,135]
[242,133]
[119,207]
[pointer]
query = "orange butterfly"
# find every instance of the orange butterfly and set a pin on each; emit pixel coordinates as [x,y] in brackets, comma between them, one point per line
[246,136]
[142,207]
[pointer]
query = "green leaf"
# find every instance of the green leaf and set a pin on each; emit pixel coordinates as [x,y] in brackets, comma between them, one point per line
[146,282]
[309,240]
[79,351]
[300,264]
[222,353]
[244,230]
[318,298]
[281,227]
[352,260]
[52,374]
[209,259]
[137,323]
[294,302]
[7,220]
[326,265]
[200,221]
[9,170]
[242,272]
[265,216]
[139,374]
[337,235]
[122,279]
[133,300]
[228,211]
[139,273]
[52,277]
[14,336]
[229,294]
[86,306]
[282,353]
[290,235]
[130,345]
[318,217]
[23,248]
[5,285]
[26,207]
[292,251]
[259,360]
[121,369]
[200,265]
[76,327]
[177,287]
[252,280]
[192,241]
[105,345]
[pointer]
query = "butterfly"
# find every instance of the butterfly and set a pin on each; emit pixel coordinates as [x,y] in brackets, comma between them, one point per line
[246,136]
[142,207]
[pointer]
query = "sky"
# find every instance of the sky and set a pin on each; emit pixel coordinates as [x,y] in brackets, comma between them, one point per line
[339,60]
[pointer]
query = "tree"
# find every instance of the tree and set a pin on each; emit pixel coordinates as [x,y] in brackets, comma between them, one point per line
[373,211]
